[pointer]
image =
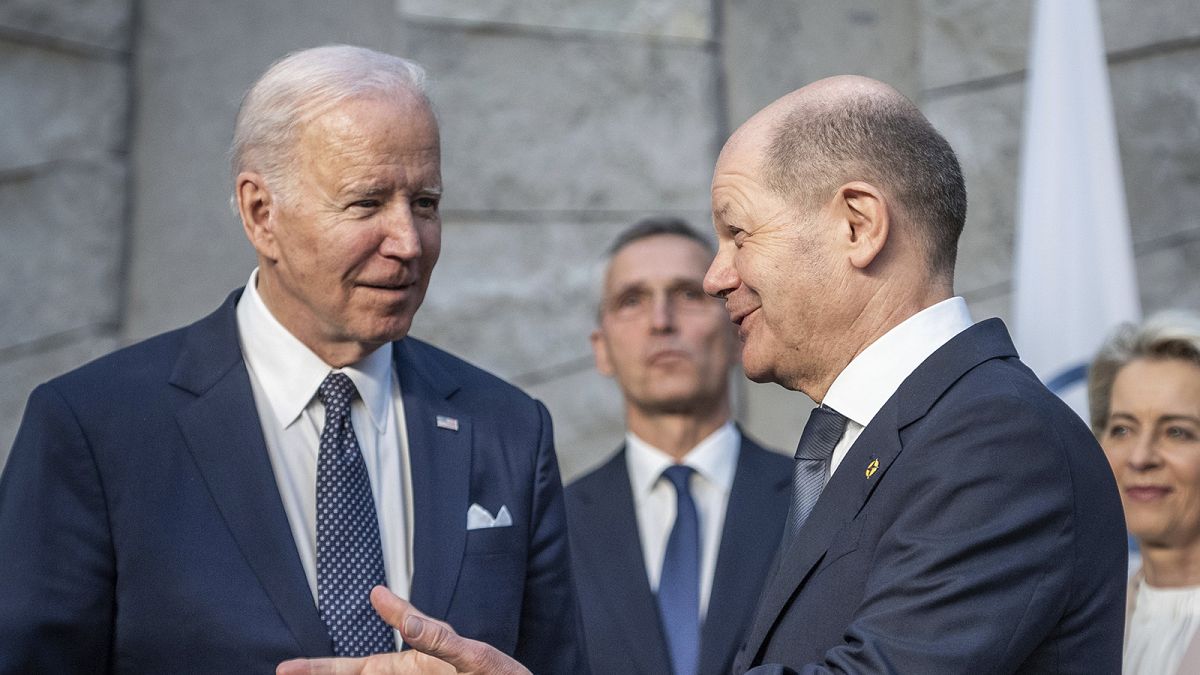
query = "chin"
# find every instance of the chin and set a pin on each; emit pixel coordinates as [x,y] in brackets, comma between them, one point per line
[756,372]
[386,331]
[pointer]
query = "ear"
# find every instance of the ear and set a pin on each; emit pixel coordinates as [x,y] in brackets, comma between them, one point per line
[256,205]
[600,352]
[865,211]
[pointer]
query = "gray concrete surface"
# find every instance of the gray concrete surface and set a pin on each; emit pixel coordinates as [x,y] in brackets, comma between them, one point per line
[562,120]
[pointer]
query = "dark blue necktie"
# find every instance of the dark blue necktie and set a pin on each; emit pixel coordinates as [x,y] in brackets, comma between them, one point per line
[821,434]
[679,584]
[349,555]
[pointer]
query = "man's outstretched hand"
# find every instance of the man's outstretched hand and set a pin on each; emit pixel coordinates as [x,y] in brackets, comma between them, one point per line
[436,649]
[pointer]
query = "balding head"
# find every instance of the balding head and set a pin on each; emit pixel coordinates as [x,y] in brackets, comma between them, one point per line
[851,128]
[837,211]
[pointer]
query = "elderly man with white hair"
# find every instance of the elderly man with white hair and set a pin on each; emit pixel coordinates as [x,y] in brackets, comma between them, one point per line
[224,497]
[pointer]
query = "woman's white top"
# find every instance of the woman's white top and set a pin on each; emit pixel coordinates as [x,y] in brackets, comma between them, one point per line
[1163,623]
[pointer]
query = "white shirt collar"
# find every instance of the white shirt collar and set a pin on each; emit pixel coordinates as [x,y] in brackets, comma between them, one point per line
[714,458]
[862,388]
[290,372]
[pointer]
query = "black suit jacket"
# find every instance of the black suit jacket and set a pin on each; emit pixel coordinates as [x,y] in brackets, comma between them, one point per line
[974,527]
[141,529]
[620,614]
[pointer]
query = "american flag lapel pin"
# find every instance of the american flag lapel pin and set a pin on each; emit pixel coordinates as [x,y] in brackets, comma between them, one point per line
[445,422]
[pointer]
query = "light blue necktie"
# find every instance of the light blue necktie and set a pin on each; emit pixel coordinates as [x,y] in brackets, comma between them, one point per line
[349,555]
[679,584]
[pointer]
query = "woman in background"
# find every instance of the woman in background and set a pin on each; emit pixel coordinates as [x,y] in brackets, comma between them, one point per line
[1144,394]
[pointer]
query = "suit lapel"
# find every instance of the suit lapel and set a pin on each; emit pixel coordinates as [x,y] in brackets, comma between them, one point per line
[611,539]
[441,470]
[850,488]
[840,501]
[224,435]
[745,554]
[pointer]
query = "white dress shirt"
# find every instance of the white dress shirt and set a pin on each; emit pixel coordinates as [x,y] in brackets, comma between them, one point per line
[715,462]
[869,380]
[285,375]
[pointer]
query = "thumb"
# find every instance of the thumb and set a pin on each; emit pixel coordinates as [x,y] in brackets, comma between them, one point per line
[438,639]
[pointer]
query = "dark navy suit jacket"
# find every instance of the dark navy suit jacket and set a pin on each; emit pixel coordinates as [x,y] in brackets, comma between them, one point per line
[620,614]
[974,527]
[141,530]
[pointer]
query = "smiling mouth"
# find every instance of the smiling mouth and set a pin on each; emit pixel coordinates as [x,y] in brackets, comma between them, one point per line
[738,317]
[1147,493]
[387,286]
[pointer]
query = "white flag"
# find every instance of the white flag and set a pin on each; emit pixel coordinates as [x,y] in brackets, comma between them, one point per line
[1074,277]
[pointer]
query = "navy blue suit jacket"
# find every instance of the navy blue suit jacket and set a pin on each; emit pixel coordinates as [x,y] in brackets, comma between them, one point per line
[620,614]
[142,530]
[974,527]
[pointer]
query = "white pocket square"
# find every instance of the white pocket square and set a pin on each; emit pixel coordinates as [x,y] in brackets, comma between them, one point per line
[479,518]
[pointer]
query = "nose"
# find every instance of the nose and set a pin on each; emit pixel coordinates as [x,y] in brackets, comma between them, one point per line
[1144,453]
[662,314]
[721,277]
[400,237]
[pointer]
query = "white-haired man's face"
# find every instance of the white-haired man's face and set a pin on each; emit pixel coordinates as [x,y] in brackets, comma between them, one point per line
[346,258]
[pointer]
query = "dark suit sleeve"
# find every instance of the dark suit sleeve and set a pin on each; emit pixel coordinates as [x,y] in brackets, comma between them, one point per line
[56,562]
[550,639]
[980,561]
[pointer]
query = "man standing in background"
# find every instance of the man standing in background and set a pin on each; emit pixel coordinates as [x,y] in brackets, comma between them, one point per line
[671,538]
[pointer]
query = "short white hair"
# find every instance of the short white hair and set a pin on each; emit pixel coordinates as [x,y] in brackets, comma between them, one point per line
[302,86]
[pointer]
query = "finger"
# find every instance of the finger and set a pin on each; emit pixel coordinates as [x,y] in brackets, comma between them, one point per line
[321,667]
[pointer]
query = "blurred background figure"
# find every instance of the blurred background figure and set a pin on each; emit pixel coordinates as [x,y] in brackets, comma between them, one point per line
[672,537]
[1144,393]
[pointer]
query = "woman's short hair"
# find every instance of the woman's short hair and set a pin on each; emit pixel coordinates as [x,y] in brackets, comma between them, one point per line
[1171,334]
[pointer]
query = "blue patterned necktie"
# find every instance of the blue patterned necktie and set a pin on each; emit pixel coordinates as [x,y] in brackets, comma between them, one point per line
[679,584]
[349,555]
[821,434]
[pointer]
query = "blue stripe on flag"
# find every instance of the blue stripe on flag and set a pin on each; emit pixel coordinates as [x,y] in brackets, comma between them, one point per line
[1067,378]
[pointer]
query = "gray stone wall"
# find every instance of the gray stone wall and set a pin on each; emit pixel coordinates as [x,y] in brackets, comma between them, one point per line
[563,121]
[64,160]
[972,70]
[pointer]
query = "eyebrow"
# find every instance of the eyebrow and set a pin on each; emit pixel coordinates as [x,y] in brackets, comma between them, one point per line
[381,189]
[1180,418]
[1165,418]
[675,283]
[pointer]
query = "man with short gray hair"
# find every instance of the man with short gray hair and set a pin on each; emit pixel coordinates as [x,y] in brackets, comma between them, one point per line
[226,496]
[672,537]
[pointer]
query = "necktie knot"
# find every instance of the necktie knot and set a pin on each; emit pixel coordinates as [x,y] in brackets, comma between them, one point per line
[678,475]
[821,434]
[336,392]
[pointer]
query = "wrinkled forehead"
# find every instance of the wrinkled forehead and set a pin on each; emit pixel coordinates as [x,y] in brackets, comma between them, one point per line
[745,148]
[657,261]
[402,120]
